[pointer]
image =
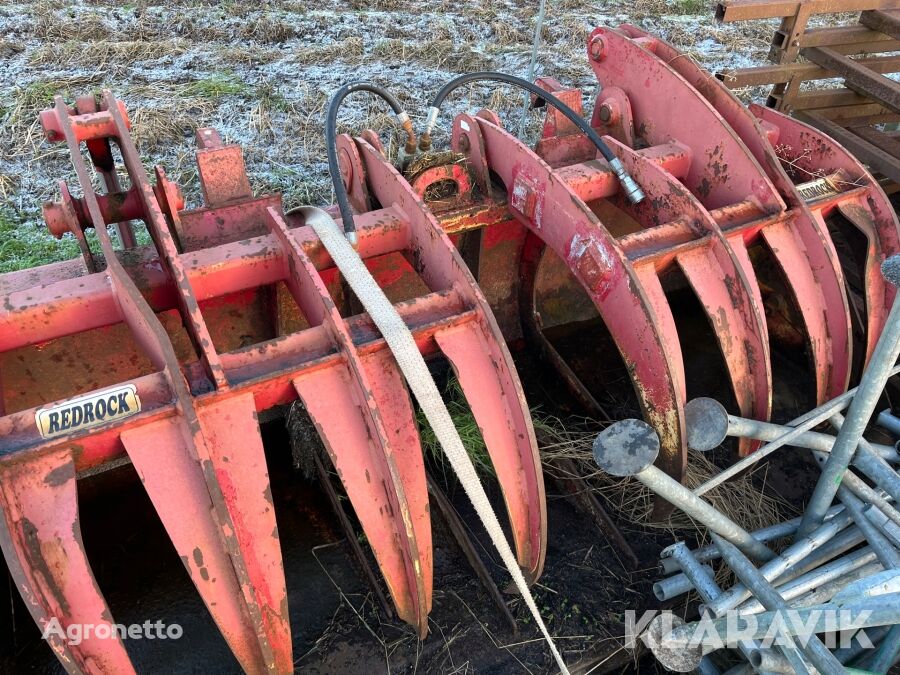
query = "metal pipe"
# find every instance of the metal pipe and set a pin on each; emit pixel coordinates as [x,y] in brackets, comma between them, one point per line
[814,650]
[884,356]
[887,554]
[813,440]
[887,652]
[667,565]
[856,647]
[708,423]
[871,464]
[702,579]
[774,568]
[826,592]
[863,491]
[803,423]
[889,421]
[629,448]
[836,570]
[883,523]
[672,587]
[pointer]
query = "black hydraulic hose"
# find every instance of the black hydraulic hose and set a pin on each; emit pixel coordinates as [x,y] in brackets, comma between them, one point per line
[334,167]
[631,188]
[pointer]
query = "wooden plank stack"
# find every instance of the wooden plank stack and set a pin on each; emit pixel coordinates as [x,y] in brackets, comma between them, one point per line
[861,110]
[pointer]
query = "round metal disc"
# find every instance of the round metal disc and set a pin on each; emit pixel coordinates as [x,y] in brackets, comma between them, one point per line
[706,423]
[890,269]
[681,660]
[626,447]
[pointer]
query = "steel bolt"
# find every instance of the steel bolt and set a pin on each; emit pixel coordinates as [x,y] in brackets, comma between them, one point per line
[597,48]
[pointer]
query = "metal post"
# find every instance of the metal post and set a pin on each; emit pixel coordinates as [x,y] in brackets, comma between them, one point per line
[870,388]
[836,570]
[773,569]
[765,534]
[531,65]
[701,578]
[887,554]
[871,464]
[887,652]
[814,650]
[890,422]
[672,587]
[629,448]
[812,440]
[803,423]
[862,613]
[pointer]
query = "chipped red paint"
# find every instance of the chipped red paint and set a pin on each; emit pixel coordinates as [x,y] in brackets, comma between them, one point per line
[207,363]
[235,308]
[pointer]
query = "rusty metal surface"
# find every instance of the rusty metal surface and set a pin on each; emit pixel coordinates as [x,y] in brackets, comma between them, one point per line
[236,308]
[232,313]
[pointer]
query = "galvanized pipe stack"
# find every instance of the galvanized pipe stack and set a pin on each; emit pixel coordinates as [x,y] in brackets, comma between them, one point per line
[842,571]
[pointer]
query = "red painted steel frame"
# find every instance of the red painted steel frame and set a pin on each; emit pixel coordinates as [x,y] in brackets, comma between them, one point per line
[195,441]
[203,358]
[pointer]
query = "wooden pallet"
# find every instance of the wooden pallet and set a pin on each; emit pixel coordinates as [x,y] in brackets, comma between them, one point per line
[856,112]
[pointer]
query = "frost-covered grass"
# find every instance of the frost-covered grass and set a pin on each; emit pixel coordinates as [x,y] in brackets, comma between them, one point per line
[262,72]
[27,244]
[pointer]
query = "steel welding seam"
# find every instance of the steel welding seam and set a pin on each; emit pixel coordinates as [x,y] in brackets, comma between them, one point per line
[400,341]
[869,391]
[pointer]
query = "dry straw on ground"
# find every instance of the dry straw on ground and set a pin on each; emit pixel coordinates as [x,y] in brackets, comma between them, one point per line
[742,499]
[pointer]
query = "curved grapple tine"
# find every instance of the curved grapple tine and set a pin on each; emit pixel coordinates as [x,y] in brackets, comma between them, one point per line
[543,201]
[362,411]
[41,539]
[865,205]
[802,247]
[484,378]
[730,298]
[482,363]
[211,492]
[231,429]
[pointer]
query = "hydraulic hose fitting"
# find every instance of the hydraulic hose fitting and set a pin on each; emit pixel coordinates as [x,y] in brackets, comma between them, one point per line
[629,185]
[408,150]
[430,121]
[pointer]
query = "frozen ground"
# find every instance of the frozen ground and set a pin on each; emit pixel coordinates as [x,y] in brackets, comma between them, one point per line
[262,73]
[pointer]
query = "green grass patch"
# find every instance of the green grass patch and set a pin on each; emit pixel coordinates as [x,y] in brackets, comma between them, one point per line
[465,424]
[692,6]
[215,86]
[24,245]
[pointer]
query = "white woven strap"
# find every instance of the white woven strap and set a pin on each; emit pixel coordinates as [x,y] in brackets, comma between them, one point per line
[412,365]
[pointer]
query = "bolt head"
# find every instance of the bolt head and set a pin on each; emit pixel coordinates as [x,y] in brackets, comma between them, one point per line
[605,112]
[706,423]
[597,48]
[626,447]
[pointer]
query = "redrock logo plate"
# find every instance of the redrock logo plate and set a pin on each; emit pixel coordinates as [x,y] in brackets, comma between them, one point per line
[85,412]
